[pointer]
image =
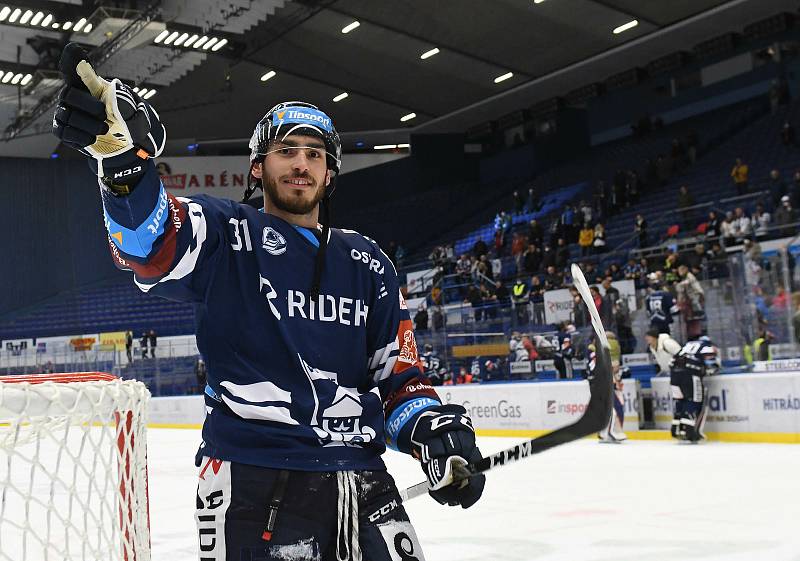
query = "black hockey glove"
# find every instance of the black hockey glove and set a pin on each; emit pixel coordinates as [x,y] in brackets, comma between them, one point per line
[106,121]
[444,441]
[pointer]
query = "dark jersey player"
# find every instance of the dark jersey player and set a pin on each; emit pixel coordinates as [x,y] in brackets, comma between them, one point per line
[696,360]
[312,363]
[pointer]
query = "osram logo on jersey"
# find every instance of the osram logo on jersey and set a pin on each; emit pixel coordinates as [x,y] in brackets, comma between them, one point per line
[347,311]
[365,257]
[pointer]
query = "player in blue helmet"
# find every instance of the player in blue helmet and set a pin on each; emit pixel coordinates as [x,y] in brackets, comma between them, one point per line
[697,359]
[305,388]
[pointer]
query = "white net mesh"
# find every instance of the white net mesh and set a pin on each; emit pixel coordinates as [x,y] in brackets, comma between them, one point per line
[73,468]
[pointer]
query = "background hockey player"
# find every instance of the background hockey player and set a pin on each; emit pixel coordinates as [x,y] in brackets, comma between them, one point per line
[564,351]
[660,306]
[696,360]
[312,363]
[663,347]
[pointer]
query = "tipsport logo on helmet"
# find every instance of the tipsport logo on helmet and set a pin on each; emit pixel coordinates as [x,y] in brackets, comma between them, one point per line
[305,115]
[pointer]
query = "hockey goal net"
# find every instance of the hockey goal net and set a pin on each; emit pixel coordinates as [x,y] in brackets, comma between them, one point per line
[73,468]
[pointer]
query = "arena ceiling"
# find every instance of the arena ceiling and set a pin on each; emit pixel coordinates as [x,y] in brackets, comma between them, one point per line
[548,46]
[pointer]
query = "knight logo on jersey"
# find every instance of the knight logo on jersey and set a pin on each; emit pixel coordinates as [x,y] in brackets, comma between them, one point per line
[408,345]
[273,241]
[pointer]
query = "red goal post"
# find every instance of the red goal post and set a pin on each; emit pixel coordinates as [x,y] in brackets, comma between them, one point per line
[76,486]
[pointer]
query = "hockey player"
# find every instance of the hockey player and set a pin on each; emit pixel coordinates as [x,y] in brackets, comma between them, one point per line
[564,352]
[310,375]
[660,306]
[663,347]
[430,362]
[696,360]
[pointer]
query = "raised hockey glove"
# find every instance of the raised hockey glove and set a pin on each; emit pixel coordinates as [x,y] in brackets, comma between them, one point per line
[107,121]
[444,441]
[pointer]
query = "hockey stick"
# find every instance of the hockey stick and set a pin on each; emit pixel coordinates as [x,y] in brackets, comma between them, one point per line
[594,419]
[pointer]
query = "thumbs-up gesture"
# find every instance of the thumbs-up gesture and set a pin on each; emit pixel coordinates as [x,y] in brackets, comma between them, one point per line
[106,121]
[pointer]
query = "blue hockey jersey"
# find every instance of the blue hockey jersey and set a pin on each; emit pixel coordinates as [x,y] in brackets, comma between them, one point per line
[317,385]
[660,306]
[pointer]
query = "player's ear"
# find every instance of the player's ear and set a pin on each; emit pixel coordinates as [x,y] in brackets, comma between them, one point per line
[257,170]
[327,177]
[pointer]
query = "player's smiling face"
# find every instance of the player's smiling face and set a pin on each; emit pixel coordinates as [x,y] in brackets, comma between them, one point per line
[295,174]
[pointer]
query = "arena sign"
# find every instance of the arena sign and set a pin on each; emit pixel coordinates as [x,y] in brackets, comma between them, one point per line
[558,303]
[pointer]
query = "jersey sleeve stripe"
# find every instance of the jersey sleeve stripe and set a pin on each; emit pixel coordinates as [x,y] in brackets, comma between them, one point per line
[139,242]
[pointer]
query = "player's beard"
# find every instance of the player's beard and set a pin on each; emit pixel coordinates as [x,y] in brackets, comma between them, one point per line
[292,203]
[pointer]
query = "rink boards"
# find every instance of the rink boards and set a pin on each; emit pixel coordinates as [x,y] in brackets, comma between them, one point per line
[741,407]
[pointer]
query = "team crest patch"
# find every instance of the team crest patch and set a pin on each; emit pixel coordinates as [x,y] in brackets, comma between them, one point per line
[273,241]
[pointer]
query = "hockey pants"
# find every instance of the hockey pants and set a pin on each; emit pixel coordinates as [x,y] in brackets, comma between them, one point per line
[250,513]
[688,396]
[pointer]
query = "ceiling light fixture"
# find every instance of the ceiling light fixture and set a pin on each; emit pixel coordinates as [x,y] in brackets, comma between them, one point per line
[200,42]
[14,15]
[503,78]
[142,92]
[408,117]
[179,41]
[46,21]
[350,27]
[161,36]
[385,146]
[136,89]
[4,11]
[209,43]
[171,38]
[404,146]
[7,77]
[56,25]
[538,1]
[149,94]
[16,78]
[268,75]
[27,78]
[39,16]
[26,17]
[190,40]
[626,26]
[88,28]
[80,23]
[67,25]
[429,54]
[219,45]
[340,97]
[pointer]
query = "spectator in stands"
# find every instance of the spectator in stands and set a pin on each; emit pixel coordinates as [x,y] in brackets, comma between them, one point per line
[760,221]
[585,212]
[481,268]
[129,345]
[608,302]
[685,200]
[421,318]
[200,374]
[615,272]
[562,254]
[624,323]
[591,273]
[532,203]
[518,202]
[713,225]
[787,134]
[519,294]
[586,239]
[580,313]
[501,294]
[438,318]
[695,260]
[532,259]
[553,277]
[726,230]
[535,233]
[741,226]
[776,187]
[517,248]
[153,341]
[568,222]
[640,227]
[632,270]
[794,190]
[785,215]
[691,147]
[464,268]
[475,299]
[548,258]
[716,260]
[490,304]
[143,344]
[599,240]
[691,302]
[739,174]
[536,297]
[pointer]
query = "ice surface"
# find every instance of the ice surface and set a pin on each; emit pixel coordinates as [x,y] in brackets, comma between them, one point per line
[641,500]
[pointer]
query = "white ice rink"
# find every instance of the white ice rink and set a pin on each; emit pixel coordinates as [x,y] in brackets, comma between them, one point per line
[639,501]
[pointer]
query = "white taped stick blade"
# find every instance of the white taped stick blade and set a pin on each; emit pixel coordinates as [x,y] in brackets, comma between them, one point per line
[583,288]
[74,477]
